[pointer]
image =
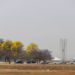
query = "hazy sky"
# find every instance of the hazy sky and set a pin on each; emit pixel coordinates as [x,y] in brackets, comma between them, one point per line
[43,22]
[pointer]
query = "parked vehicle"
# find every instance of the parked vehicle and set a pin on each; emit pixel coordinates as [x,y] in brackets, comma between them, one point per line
[19,61]
[46,62]
[58,62]
[73,62]
[63,62]
[33,61]
[28,61]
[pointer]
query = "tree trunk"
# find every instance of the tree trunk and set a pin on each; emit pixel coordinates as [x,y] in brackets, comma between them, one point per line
[9,61]
[22,60]
[14,60]
[5,59]
[44,61]
[37,61]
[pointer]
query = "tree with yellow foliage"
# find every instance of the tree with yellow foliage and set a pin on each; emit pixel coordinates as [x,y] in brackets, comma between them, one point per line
[11,48]
[30,47]
[6,47]
[2,53]
[1,41]
[17,49]
[14,49]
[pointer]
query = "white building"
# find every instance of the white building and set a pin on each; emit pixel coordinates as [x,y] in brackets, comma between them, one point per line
[56,59]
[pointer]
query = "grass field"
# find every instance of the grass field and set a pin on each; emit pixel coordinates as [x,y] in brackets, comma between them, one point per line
[38,66]
[37,69]
[36,72]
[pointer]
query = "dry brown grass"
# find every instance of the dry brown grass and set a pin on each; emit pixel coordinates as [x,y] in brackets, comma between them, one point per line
[37,66]
[66,61]
[37,69]
[37,72]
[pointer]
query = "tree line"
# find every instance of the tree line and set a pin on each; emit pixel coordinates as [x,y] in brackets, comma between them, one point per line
[15,50]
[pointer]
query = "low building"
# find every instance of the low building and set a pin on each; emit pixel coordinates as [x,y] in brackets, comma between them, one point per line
[56,59]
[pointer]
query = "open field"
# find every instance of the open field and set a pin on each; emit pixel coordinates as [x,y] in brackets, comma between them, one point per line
[37,72]
[38,66]
[38,69]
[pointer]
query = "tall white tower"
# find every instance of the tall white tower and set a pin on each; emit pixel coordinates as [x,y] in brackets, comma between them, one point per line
[63,49]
